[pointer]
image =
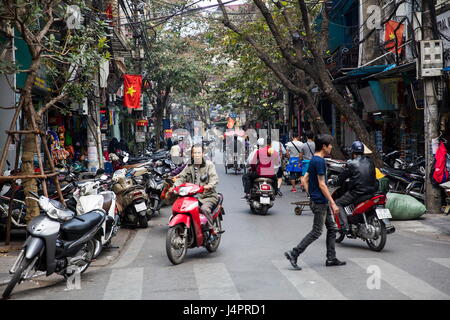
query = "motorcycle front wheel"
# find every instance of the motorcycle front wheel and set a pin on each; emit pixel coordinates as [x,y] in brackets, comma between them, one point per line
[176,244]
[17,277]
[378,243]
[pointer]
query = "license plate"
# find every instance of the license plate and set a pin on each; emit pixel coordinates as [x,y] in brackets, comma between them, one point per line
[383,213]
[264,200]
[140,207]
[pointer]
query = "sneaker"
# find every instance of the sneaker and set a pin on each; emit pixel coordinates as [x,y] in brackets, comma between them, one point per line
[292,259]
[293,190]
[335,262]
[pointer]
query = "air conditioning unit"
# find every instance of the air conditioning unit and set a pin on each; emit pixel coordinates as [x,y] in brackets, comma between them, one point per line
[431,58]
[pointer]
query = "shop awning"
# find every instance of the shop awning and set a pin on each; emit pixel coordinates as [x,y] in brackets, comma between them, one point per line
[393,72]
[364,71]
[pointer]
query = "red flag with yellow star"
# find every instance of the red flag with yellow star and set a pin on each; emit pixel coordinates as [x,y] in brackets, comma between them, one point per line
[391,34]
[132,90]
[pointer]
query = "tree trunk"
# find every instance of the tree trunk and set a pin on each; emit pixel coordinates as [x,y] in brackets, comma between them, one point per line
[29,148]
[322,127]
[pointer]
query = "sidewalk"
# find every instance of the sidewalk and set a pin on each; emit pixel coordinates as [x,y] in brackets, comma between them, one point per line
[8,254]
[434,225]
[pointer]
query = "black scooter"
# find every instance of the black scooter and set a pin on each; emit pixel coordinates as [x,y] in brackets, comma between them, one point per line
[58,241]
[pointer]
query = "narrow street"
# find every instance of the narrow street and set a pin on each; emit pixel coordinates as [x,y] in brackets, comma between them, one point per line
[249,263]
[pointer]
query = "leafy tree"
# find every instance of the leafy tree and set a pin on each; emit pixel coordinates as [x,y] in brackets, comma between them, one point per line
[297,58]
[71,57]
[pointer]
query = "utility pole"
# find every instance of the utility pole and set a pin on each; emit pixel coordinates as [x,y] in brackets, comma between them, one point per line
[431,114]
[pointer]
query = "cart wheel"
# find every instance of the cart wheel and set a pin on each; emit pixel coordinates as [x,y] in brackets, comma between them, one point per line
[298,211]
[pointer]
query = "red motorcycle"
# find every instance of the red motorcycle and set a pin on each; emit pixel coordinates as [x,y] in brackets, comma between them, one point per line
[368,220]
[188,226]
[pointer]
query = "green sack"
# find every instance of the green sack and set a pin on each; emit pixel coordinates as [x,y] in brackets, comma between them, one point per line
[404,207]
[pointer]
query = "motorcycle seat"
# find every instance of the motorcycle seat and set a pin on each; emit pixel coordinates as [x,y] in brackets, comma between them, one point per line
[107,200]
[363,198]
[268,180]
[75,226]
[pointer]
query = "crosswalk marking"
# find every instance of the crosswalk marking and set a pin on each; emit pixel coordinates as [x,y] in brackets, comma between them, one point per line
[214,282]
[442,261]
[125,284]
[133,250]
[403,281]
[308,282]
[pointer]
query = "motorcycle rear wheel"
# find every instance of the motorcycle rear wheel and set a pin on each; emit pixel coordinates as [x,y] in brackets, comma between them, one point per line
[98,248]
[340,236]
[212,246]
[173,233]
[143,221]
[380,242]
[17,277]
[264,210]
[89,250]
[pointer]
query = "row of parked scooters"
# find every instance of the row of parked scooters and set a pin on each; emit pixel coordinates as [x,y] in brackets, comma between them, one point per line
[65,238]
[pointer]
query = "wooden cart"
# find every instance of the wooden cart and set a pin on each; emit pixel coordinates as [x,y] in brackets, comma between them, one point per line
[299,206]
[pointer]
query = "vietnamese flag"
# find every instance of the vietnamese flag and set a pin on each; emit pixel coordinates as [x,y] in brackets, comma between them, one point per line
[390,35]
[132,90]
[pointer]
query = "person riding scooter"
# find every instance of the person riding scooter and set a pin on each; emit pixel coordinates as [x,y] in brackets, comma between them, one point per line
[262,162]
[360,171]
[201,172]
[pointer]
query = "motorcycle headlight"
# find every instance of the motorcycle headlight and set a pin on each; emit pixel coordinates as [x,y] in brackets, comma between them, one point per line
[184,191]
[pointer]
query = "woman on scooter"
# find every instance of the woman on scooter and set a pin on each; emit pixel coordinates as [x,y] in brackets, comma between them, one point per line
[201,172]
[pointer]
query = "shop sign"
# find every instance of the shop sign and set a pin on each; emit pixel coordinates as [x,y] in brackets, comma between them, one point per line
[141,123]
[168,133]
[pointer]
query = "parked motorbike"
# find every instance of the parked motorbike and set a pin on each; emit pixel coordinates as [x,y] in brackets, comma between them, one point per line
[89,196]
[188,226]
[368,219]
[131,199]
[262,196]
[410,181]
[58,241]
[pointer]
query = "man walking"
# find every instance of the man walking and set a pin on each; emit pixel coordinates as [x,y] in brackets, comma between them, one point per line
[315,185]
[293,149]
[307,152]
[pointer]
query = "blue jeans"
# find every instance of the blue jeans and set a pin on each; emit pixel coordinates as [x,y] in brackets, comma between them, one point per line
[322,215]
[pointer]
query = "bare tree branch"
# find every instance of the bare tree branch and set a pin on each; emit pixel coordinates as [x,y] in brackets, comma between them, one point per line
[51,103]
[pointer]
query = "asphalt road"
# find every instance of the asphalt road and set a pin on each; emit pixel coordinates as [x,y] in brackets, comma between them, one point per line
[249,263]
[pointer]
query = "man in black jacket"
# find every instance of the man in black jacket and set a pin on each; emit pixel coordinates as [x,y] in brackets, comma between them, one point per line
[361,173]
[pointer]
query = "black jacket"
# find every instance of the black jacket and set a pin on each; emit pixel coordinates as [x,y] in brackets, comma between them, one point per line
[361,173]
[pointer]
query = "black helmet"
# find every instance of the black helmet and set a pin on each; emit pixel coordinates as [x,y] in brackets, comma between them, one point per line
[357,147]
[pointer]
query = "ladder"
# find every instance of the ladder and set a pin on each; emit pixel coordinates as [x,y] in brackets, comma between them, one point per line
[40,140]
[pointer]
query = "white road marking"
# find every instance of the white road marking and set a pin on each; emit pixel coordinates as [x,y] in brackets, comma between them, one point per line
[308,282]
[133,250]
[442,261]
[403,281]
[214,282]
[125,284]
